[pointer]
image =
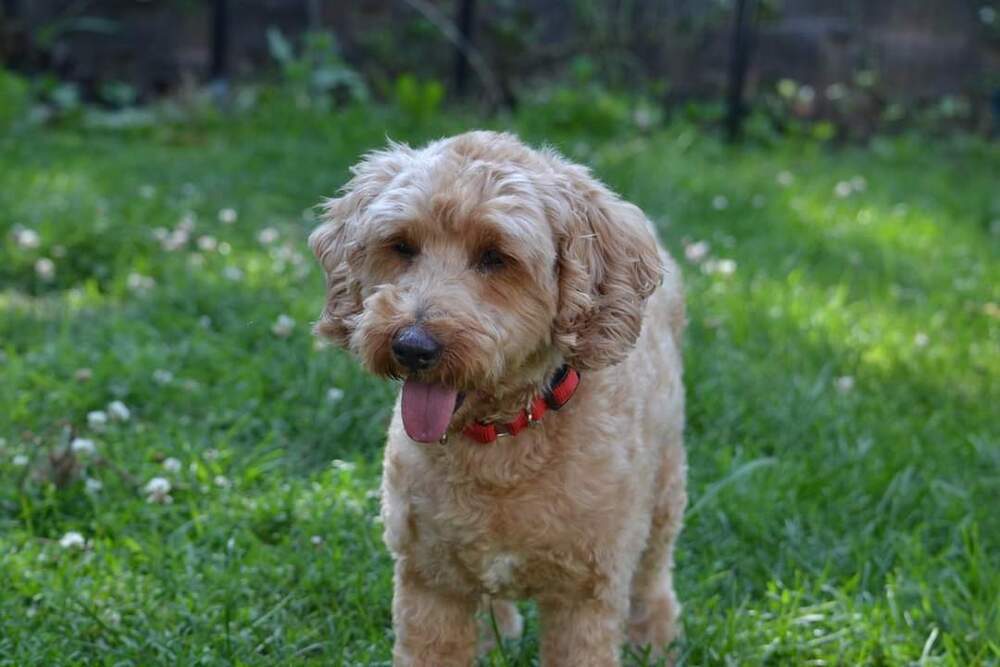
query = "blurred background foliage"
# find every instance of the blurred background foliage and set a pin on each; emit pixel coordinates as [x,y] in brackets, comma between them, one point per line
[832,70]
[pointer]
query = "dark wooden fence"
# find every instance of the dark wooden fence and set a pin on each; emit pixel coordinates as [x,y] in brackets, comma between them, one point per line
[917,49]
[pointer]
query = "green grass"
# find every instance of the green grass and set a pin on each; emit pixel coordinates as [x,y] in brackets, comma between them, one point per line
[842,388]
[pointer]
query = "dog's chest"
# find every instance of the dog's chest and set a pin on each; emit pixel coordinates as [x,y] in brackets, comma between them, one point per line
[533,528]
[498,571]
[510,552]
[507,571]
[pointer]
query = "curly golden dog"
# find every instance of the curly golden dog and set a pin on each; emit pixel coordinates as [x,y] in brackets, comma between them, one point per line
[536,448]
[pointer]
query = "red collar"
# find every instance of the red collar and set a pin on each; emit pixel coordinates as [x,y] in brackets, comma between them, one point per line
[561,389]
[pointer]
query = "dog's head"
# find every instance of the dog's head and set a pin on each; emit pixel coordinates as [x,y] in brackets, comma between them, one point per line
[477,262]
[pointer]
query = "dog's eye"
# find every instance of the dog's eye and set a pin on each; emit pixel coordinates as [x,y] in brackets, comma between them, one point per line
[490,260]
[404,249]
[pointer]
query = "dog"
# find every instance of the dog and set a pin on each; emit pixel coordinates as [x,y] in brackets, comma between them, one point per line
[536,450]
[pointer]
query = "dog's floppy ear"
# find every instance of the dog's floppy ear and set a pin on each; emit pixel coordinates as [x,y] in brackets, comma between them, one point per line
[608,265]
[338,242]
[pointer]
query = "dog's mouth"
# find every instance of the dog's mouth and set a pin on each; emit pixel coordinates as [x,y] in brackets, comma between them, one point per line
[427,409]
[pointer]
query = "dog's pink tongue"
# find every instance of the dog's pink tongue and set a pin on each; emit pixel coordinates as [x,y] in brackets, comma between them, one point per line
[427,410]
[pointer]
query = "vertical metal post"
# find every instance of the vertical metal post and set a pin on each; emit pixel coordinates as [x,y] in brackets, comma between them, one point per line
[465,22]
[739,63]
[219,69]
[314,14]
[8,9]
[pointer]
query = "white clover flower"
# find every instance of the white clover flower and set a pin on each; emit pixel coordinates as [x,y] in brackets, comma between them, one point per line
[232,273]
[45,268]
[267,236]
[27,238]
[176,240]
[171,464]
[119,412]
[784,178]
[844,384]
[283,326]
[93,485]
[643,118]
[19,460]
[139,283]
[207,243]
[858,183]
[205,322]
[316,540]
[186,222]
[161,376]
[722,267]
[147,191]
[83,447]
[987,15]
[211,454]
[921,339]
[696,252]
[334,394]
[158,490]
[222,482]
[843,189]
[720,202]
[72,540]
[97,420]
[225,248]
[227,216]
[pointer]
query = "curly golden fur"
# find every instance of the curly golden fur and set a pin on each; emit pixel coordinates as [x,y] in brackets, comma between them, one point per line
[579,513]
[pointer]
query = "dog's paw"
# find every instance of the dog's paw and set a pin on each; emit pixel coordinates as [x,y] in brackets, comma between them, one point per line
[655,626]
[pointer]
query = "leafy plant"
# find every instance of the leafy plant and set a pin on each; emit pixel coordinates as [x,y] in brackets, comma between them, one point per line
[317,75]
[418,100]
[14,99]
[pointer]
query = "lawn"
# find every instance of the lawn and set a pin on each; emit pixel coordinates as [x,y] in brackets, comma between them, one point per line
[156,296]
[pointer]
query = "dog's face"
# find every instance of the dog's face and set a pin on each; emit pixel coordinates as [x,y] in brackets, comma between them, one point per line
[468,263]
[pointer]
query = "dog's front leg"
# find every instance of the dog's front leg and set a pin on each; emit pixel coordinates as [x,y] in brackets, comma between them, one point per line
[581,634]
[433,629]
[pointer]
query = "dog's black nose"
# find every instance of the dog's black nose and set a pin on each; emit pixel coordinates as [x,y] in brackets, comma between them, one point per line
[416,349]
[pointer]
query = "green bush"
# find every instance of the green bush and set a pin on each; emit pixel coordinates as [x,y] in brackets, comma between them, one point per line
[317,76]
[418,100]
[15,99]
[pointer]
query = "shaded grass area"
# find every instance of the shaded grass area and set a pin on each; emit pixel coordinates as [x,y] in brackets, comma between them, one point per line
[844,457]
